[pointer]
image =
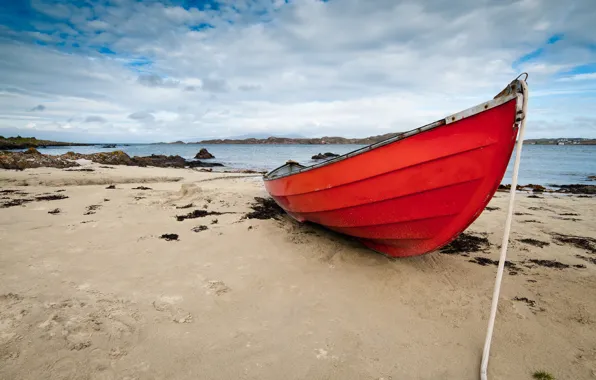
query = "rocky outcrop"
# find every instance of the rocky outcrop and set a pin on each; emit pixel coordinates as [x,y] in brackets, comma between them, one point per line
[32,159]
[160,161]
[200,164]
[577,189]
[324,156]
[204,154]
[534,188]
[109,146]
[116,157]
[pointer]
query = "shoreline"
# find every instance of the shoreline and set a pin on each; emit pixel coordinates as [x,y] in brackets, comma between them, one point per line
[103,270]
[31,158]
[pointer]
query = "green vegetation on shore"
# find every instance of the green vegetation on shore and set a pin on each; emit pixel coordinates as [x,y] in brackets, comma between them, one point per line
[31,142]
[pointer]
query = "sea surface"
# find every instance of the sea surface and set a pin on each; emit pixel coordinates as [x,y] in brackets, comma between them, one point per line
[541,164]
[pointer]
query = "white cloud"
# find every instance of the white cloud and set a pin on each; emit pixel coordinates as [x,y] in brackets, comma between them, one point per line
[590,76]
[39,107]
[98,25]
[352,68]
[141,115]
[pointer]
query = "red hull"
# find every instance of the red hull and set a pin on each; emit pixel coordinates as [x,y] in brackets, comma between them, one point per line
[413,195]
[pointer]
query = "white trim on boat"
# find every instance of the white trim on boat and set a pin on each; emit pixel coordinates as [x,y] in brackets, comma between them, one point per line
[479,108]
[512,91]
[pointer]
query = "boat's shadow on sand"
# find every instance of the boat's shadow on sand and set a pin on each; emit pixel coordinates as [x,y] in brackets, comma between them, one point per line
[350,249]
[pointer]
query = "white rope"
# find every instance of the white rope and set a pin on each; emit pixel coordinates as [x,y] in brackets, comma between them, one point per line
[504,244]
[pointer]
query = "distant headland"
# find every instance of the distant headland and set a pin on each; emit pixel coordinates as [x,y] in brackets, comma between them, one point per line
[18,142]
[306,141]
[368,141]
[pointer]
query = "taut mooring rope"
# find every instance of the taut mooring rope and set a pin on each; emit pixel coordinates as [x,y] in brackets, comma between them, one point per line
[504,244]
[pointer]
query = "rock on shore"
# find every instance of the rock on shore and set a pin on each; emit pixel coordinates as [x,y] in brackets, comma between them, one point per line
[324,156]
[33,159]
[204,154]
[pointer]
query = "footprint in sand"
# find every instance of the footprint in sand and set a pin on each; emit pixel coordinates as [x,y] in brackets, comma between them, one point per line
[64,368]
[166,305]
[217,287]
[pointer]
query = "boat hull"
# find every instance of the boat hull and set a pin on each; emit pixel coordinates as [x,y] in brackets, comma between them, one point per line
[413,195]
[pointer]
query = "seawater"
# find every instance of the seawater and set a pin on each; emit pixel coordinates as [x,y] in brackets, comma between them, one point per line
[541,164]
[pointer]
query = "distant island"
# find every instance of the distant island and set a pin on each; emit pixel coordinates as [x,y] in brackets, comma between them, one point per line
[31,142]
[370,140]
[306,141]
[561,141]
[19,142]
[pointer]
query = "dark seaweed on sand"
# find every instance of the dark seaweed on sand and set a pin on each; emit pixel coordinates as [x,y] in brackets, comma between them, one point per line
[534,242]
[484,261]
[589,244]
[528,301]
[9,191]
[79,170]
[550,264]
[491,208]
[52,197]
[111,187]
[54,211]
[185,206]
[197,214]
[15,202]
[91,209]
[169,237]
[586,258]
[199,228]
[466,243]
[142,188]
[265,208]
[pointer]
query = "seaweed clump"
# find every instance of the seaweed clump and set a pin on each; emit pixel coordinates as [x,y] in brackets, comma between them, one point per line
[466,243]
[197,214]
[265,208]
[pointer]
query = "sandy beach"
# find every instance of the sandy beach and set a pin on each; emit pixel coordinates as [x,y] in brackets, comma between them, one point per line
[89,290]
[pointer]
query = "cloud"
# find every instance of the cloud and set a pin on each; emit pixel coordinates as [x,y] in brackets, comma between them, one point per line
[589,76]
[56,10]
[154,80]
[349,67]
[249,87]
[39,107]
[98,25]
[141,115]
[95,119]
[214,85]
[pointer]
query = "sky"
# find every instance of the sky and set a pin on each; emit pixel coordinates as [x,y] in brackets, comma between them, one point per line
[148,71]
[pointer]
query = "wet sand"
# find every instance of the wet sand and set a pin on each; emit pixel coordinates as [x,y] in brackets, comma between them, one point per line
[96,286]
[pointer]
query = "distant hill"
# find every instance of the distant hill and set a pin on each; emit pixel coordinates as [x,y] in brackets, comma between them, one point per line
[372,140]
[315,141]
[31,142]
[561,141]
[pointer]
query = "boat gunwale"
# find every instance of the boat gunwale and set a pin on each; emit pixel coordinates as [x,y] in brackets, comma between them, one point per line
[469,112]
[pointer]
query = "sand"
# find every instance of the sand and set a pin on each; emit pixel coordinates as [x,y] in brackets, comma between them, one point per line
[92,292]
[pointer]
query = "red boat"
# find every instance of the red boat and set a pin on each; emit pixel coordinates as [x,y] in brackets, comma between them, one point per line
[415,192]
